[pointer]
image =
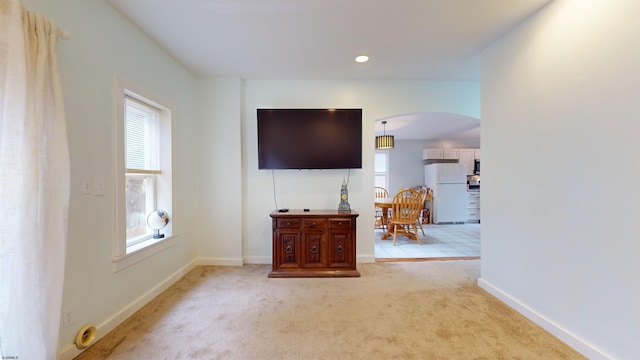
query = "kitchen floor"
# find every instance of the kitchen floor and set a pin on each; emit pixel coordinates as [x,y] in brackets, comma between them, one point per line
[441,241]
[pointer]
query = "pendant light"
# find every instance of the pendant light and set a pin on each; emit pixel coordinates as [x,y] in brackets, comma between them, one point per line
[384,141]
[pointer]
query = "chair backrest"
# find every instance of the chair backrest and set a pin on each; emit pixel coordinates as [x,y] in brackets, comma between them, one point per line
[423,192]
[406,206]
[380,192]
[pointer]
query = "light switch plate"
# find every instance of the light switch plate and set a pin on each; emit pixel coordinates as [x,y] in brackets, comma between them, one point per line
[98,188]
[87,185]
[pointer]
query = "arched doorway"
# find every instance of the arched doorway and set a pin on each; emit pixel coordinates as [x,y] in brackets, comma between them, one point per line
[404,167]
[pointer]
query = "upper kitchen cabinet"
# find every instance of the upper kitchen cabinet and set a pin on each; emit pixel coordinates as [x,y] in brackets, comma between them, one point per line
[437,153]
[463,156]
[467,157]
[431,154]
[451,154]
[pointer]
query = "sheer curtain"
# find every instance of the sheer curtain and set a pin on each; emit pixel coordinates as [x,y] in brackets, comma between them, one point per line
[34,185]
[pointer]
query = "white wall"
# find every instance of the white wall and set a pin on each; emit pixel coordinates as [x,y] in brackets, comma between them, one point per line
[561,160]
[102,44]
[319,189]
[220,192]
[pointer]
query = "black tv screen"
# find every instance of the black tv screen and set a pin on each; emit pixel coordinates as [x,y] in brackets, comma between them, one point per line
[309,138]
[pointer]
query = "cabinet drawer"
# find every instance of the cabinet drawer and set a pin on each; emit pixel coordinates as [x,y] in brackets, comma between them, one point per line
[473,214]
[293,223]
[473,194]
[473,203]
[314,223]
[341,224]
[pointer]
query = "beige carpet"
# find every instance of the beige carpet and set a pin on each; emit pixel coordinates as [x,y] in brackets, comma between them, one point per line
[408,310]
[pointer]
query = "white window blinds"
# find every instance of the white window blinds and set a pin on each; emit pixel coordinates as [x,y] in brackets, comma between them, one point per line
[141,137]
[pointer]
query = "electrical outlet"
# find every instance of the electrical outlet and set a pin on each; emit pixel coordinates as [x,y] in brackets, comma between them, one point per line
[67,318]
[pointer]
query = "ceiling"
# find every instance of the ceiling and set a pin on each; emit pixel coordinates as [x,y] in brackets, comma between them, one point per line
[431,126]
[318,39]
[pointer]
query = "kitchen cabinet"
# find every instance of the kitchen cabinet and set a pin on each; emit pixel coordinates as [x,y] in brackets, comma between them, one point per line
[473,206]
[431,154]
[451,154]
[467,157]
[437,153]
[317,243]
[462,155]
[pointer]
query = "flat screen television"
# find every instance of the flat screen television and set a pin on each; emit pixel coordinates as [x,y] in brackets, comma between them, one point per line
[309,138]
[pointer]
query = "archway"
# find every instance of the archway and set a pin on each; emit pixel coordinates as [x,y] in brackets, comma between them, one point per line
[414,132]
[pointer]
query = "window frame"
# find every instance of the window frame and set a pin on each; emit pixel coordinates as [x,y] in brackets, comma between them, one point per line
[384,174]
[147,166]
[125,254]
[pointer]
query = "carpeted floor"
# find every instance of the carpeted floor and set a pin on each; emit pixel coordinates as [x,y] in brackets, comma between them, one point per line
[408,310]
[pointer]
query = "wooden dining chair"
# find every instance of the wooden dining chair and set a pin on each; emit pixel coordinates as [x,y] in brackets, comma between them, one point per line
[405,212]
[423,193]
[380,193]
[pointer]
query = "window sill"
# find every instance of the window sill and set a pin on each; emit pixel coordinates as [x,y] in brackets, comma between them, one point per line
[142,251]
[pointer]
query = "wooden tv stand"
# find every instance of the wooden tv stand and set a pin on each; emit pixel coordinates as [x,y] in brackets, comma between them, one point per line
[316,243]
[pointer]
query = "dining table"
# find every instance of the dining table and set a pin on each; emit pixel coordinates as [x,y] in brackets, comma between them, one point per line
[386,203]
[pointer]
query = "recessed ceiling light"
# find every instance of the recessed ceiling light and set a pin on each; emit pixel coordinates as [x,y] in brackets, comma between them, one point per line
[362,58]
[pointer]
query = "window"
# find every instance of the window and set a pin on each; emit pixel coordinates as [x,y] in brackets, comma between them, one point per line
[141,166]
[381,169]
[143,172]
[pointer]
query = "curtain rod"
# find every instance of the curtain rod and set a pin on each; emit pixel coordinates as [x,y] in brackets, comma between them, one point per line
[62,33]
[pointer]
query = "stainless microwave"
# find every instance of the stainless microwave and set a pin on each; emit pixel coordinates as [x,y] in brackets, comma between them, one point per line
[476,167]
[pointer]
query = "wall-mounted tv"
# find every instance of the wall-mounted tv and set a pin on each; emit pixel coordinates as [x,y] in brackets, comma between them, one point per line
[309,138]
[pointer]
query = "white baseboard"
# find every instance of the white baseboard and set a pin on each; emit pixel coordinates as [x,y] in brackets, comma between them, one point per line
[220,261]
[72,351]
[258,260]
[365,259]
[567,337]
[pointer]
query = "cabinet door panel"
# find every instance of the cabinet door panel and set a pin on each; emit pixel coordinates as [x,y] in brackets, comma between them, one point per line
[314,250]
[451,153]
[467,158]
[428,154]
[340,249]
[287,249]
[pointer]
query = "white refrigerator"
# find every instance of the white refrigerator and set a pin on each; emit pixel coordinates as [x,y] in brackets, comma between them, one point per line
[449,184]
